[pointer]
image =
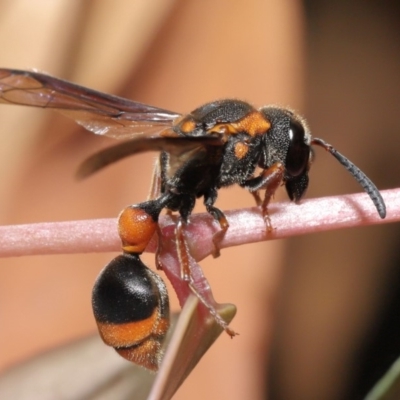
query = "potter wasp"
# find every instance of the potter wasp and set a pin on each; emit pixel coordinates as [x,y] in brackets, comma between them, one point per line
[219,144]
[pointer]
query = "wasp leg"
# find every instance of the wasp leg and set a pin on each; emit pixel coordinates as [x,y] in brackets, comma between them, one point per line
[156,182]
[219,216]
[186,275]
[257,198]
[270,179]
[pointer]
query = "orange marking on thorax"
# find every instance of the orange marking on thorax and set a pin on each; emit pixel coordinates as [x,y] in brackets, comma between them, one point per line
[241,149]
[187,126]
[253,124]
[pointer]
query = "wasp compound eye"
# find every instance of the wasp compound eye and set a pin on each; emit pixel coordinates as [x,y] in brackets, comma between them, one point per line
[298,153]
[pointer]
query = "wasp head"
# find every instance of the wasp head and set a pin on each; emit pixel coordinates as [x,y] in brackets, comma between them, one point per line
[289,142]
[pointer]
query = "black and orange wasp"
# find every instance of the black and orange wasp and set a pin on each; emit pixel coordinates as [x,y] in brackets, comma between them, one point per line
[218,144]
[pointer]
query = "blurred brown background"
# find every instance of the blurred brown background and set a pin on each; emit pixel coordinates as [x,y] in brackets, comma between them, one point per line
[314,298]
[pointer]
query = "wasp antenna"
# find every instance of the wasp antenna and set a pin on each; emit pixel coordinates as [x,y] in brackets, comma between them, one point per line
[358,175]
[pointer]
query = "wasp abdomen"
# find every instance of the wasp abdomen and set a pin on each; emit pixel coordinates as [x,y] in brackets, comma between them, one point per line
[130,304]
[137,225]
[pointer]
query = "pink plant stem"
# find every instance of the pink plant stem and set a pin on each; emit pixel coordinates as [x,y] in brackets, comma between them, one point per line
[246,226]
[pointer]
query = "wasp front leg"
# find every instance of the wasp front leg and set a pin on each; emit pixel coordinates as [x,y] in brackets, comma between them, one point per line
[130,302]
[269,180]
[219,216]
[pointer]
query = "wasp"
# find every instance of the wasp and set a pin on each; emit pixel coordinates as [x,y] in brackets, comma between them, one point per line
[219,144]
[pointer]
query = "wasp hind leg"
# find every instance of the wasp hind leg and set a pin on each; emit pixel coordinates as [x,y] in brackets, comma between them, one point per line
[186,275]
[156,185]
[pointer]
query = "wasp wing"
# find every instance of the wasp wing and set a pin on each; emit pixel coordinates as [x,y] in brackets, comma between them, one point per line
[177,146]
[100,113]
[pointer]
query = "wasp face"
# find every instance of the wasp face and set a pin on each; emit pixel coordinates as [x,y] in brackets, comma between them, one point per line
[288,142]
